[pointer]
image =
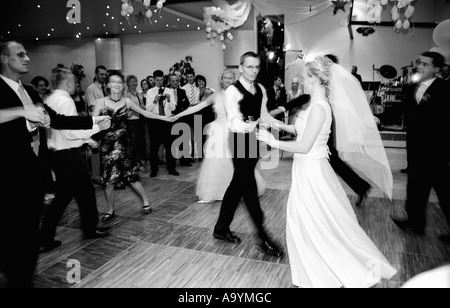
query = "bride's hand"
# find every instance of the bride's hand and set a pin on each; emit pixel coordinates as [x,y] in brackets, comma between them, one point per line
[264,136]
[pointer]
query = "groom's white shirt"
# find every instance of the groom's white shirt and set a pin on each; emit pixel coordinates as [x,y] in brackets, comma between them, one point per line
[231,102]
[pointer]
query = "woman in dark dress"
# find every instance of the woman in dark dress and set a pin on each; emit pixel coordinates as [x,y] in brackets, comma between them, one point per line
[119,162]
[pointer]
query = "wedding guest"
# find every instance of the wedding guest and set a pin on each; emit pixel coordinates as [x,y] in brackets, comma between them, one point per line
[79,99]
[192,93]
[70,167]
[217,167]
[41,86]
[428,149]
[136,123]
[120,164]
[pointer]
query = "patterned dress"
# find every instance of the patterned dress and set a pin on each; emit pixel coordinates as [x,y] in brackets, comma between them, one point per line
[119,163]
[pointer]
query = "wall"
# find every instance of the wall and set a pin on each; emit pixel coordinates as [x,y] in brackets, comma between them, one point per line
[141,53]
[322,34]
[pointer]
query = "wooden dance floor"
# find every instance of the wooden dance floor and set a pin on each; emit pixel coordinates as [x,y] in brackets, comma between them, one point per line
[173,247]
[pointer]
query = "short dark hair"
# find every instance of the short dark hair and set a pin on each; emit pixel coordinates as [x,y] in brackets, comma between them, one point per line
[100,67]
[158,73]
[198,78]
[333,58]
[249,54]
[35,81]
[438,59]
[190,71]
[115,73]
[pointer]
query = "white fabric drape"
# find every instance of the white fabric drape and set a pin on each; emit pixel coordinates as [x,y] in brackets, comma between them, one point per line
[237,13]
[358,140]
[294,11]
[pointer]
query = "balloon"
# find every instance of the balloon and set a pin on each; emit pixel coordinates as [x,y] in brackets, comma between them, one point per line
[224,47]
[163,1]
[398,24]
[123,13]
[208,36]
[208,29]
[125,6]
[384,2]
[230,36]
[394,10]
[395,16]
[146,2]
[159,5]
[406,24]
[149,14]
[441,34]
[130,10]
[222,38]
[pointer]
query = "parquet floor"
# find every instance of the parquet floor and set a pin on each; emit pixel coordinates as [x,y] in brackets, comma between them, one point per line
[173,247]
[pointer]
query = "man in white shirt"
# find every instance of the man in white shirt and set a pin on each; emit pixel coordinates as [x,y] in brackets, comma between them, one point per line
[97,89]
[70,167]
[245,104]
[160,100]
[193,92]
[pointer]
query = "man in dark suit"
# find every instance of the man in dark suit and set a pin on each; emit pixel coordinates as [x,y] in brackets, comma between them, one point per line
[182,102]
[276,99]
[427,141]
[21,190]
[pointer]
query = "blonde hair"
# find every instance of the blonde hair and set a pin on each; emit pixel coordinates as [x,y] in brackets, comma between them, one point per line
[321,69]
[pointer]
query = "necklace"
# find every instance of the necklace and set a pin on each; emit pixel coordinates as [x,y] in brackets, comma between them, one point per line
[114,100]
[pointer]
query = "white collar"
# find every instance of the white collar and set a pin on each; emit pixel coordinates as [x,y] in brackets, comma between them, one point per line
[13,84]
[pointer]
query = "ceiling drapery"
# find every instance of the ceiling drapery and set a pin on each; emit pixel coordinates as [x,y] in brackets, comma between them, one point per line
[294,11]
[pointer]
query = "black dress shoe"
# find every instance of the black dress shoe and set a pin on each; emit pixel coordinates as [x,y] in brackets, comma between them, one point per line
[445,238]
[99,233]
[406,226]
[153,174]
[174,172]
[270,249]
[362,197]
[228,237]
[50,246]
[404,170]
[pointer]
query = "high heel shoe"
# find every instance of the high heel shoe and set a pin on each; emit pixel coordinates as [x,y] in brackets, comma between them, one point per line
[108,217]
[147,209]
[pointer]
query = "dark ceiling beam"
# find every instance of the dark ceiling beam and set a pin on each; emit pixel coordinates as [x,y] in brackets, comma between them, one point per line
[391,24]
[350,31]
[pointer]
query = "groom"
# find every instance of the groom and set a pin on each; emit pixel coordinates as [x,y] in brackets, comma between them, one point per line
[245,102]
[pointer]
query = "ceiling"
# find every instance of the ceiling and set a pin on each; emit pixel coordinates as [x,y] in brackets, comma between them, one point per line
[39,20]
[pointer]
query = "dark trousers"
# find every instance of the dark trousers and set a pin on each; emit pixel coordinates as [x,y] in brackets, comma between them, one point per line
[243,185]
[359,185]
[421,178]
[22,192]
[22,196]
[73,181]
[160,133]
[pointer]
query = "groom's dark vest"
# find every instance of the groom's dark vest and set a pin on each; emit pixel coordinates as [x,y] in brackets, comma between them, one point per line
[246,145]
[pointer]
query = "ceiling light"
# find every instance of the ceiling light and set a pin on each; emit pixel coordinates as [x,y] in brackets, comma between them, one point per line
[140,31]
[107,7]
[178,19]
[167,25]
[53,30]
[112,17]
[188,26]
[198,28]
[104,25]
[19,25]
[156,21]
[37,39]
[87,28]
[48,34]
[135,27]
[123,29]
[106,33]
[38,6]
[107,14]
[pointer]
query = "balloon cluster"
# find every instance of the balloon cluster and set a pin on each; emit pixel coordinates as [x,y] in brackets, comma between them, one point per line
[217,26]
[128,9]
[401,13]
[441,37]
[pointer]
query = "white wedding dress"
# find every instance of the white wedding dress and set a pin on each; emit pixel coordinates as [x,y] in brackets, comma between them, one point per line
[327,247]
[217,168]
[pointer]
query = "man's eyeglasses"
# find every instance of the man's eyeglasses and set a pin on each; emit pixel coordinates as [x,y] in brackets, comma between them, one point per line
[20,54]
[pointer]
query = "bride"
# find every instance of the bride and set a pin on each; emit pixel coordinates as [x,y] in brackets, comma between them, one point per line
[327,247]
